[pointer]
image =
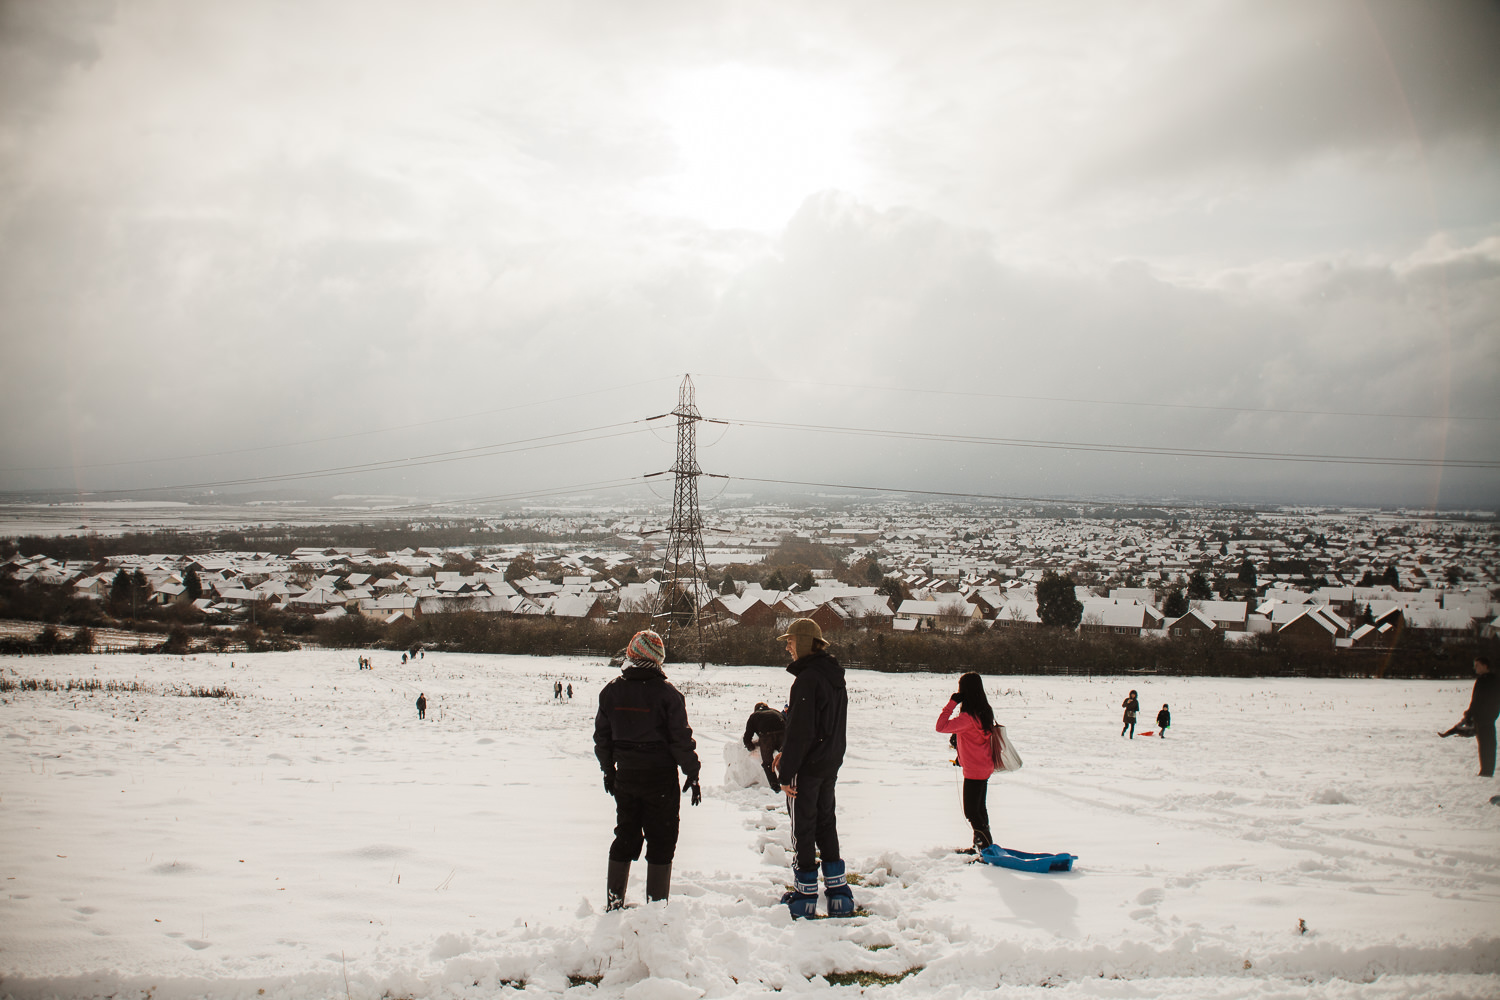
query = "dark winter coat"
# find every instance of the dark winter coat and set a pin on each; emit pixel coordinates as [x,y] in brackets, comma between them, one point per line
[642,724]
[1164,719]
[817,719]
[762,723]
[1484,706]
[1131,707]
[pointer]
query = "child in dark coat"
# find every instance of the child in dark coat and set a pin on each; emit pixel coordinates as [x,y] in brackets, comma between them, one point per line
[642,738]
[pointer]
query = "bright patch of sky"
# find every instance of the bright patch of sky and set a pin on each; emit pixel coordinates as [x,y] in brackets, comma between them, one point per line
[753,142]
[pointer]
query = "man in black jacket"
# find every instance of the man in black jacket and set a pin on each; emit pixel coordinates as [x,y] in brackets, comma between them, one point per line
[1484,706]
[808,768]
[766,727]
[641,737]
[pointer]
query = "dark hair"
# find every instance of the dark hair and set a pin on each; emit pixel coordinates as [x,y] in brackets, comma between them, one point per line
[975,703]
[1481,658]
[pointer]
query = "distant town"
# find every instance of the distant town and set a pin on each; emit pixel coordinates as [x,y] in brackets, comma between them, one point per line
[1330,579]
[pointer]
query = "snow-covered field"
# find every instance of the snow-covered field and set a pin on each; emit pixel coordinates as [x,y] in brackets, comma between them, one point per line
[311,838]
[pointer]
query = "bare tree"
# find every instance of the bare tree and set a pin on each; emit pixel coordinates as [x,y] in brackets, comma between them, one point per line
[952,616]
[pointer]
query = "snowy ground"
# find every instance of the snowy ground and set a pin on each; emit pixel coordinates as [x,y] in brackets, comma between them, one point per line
[310,838]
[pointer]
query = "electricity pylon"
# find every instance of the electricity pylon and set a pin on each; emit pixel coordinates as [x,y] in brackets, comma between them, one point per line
[685,587]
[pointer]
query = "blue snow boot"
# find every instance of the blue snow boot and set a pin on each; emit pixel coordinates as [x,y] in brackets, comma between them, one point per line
[803,900]
[836,888]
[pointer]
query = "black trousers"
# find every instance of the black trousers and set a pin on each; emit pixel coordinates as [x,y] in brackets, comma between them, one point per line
[646,811]
[975,810]
[1484,735]
[769,744]
[815,829]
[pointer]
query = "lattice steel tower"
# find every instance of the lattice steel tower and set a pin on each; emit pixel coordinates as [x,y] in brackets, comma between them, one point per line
[685,570]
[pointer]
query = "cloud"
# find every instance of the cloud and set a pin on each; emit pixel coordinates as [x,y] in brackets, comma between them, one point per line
[864,297]
[40,43]
[1271,86]
[225,230]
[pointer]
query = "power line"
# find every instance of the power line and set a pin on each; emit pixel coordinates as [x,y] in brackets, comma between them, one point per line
[1258,456]
[597,486]
[336,437]
[1101,402]
[416,461]
[1060,501]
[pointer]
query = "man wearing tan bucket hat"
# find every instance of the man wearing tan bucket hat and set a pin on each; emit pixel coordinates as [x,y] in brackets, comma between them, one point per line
[808,768]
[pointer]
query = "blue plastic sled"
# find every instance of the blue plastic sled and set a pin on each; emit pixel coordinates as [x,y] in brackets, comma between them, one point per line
[1026,861]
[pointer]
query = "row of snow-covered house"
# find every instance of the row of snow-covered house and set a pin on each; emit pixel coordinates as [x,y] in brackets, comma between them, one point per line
[1337,617]
[1347,548]
[329,584]
[233,584]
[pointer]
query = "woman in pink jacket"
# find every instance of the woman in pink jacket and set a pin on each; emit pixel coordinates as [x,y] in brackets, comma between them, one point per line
[969,718]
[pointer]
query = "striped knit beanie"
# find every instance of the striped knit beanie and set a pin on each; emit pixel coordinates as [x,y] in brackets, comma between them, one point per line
[647,647]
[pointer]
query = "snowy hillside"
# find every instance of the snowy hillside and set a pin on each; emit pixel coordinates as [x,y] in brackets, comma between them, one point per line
[309,837]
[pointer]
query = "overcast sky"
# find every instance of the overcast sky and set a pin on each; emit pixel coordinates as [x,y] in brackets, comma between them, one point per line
[244,239]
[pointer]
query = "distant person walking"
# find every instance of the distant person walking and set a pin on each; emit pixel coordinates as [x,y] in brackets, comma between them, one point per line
[421,706]
[766,728]
[969,718]
[807,768]
[1163,720]
[570,692]
[1131,705]
[642,738]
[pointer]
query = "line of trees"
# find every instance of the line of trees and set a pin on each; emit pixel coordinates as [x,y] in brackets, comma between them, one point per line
[988,651]
[383,536]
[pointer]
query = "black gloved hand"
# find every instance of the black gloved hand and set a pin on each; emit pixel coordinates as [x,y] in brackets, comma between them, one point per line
[691,785]
[957,696]
[609,782]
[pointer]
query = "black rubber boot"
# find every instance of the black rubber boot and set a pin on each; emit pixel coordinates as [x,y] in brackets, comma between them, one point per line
[658,882]
[614,885]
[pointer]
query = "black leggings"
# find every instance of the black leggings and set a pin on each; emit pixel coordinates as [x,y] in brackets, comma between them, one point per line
[1484,734]
[975,811]
[769,744]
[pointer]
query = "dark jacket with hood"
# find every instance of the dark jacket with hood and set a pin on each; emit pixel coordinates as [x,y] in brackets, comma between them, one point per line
[1484,705]
[816,720]
[642,724]
[761,722]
